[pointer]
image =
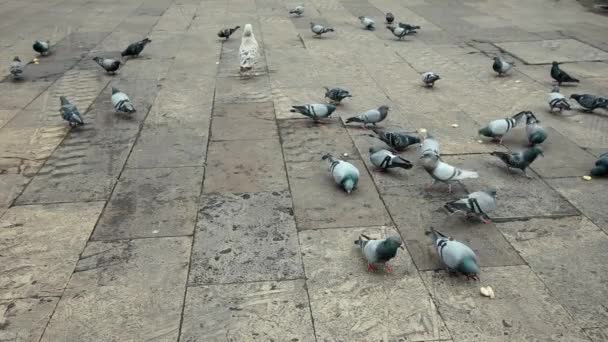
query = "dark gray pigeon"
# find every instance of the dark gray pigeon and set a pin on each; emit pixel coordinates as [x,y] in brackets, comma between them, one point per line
[534,131]
[133,50]
[16,68]
[477,204]
[379,251]
[410,29]
[336,95]
[110,65]
[389,18]
[561,76]
[398,32]
[314,111]
[590,102]
[454,255]
[498,128]
[501,66]
[42,47]
[70,113]
[398,140]
[601,166]
[519,160]
[372,116]
[385,159]
[318,30]
[227,32]
[557,100]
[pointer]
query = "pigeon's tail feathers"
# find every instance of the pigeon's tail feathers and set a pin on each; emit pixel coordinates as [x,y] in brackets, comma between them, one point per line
[455,206]
[467,175]
[63,100]
[434,234]
[327,156]
[354,119]
[299,109]
[501,155]
[115,90]
[362,241]
[599,170]
[403,163]
[329,29]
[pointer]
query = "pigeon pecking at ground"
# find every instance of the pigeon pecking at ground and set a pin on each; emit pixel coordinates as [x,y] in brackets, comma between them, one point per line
[314,111]
[443,172]
[534,131]
[557,100]
[372,116]
[70,113]
[121,102]
[389,18]
[336,95]
[429,78]
[477,204]
[397,140]
[385,159]
[379,251]
[16,68]
[561,76]
[133,50]
[519,160]
[248,50]
[601,166]
[398,32]
[345,174]
[454,255]
[227,32]
[367,23]
[42,47]
[498,128]
[298,10]
[501,66]
[110,65]
[318,30]
[590,102]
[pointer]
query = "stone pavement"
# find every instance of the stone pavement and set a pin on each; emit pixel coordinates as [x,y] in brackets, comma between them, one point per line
[208,215]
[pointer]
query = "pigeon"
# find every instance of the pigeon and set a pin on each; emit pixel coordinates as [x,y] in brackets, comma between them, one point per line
[336,95]
[43,48]
[248,50]
[557,100]
[535,132]
[345,174]
[298,11]
[409,28]
[519,160]
[385,160]
[389,18]
[318,30]
[133,50]
[397,140]
[121,102]
[314,111]
[397,31]
[477,204]
[455,255]
[109,64]
[372,116]
[429,146]
[429,78]
[227,32]
[379,251]
[70,113]
[16,68]
[590,102]
[561,76]
[498,128]
[501,66]
[601,166]
[367,23]
[443,172]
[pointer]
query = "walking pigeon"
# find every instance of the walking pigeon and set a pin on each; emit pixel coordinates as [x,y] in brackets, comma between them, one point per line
[590,102]
[389,18]
[429,145]
[298,11]
[534,131]
[345,174]
[519,160]
[601,166]
[561,76]
[318,30]
[454,255]
[367,23]
[557,100]
[70,113]
[133,50]
[314,111]
[16,68]
[121,102]
[443,172]
[429,78]
[248,50]
[397,140]
[110,65]
[477,204]
[227,32]
[498,128]
[372,116]
[409,28]
[384,159]
[336,95]
[397,31]
[42,47]
[501,66]
[379,251]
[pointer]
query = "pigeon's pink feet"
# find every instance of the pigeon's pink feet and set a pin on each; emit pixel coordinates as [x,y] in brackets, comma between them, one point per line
[388,268]
[485,220]
[449,188]
[370,268]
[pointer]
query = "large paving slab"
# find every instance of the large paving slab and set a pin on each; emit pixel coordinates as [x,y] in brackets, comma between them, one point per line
[24,320]
[152,202]
[523,309]
[40,246]
[547,51]
[238,121]
[11,186]
[258,311]
[245,237]
[23,151]
[350,304]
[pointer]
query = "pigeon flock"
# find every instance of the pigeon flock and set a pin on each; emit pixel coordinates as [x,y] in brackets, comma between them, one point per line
[455,256]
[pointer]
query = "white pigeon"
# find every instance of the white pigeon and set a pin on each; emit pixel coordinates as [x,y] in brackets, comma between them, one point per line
[121,102]
[248,50]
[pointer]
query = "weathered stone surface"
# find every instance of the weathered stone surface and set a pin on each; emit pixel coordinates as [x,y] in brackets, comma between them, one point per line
[152,202]
[245,166]
[561,50]
[248,312]
[242,89]
[350,304]
[245,237]
[243,121]
[10,187]
[24,320]
[22,151]
[597,334]
[40,246]
[522,310]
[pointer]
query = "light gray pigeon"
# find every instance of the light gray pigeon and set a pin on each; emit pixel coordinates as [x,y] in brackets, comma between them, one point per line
[535,132]
[557,100]
[501,66]
[367,23]
[429,145]
[397,140]
[16,68]
[477,204]
[443,172]
[298,11]
[42,47]
[248,51]
[379,251]
[498,128]
[454,255]
[345,174]
[108,64]
[384,159]
[429,78]
[372,116]
[398,32]
[318,30]
[121,102]
[70,113]
[336,95]
[314,111]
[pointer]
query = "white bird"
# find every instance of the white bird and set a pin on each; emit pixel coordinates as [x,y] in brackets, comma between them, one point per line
[248,50]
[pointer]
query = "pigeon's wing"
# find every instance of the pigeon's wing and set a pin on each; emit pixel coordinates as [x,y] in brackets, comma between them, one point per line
[444,171]
[453,252]
[371,115]
[379,158]
[370,251]
[485,201]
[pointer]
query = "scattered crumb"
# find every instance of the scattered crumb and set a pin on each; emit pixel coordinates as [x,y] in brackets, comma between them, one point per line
[517,81]
[422,130]
[345,154]
[455,125]
[155,232]
[480,141]
[587,178]
[487,292]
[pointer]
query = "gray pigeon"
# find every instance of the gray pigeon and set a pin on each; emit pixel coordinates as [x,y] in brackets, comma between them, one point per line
[298,11]
[535,132]
[314,111]
[501,66]
[409,28]
[590,102]
[443,172]
[601,166]
[318,30]
[498,128]
[561,76]
[398,32]
[16,69]
[379,251]
[397,140]
[384,159]
[227,32]
[345,174]
[455,255]
[42,47]
[389,18]
[477,204]
[367,23]
[336,95]
[557,100]
[372,116]
[519,160]
[109,64]
[70,113]
[121,102]
[429,145]
[133,50]
[429,78]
